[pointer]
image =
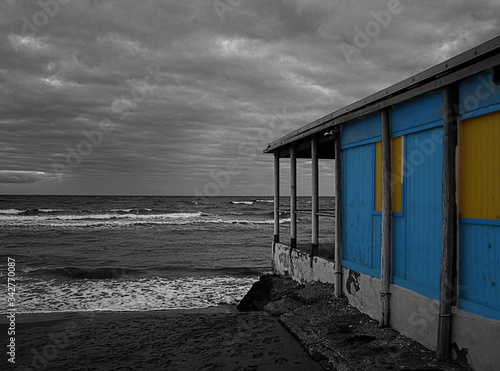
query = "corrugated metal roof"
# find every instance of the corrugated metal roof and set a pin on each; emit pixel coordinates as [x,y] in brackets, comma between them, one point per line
[481,57]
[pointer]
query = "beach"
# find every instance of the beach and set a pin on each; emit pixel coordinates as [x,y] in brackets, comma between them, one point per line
[217,338]
[298,327]
[124,282]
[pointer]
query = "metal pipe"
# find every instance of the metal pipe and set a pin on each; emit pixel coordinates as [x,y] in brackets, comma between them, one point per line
[293,196]
[385,237]
[338,219]
[449,234]
[276,196]
[315,196]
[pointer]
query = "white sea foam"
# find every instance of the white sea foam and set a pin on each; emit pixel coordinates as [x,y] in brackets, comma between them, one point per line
[110,220]
[10,211]
[184,215]
[242,202]
[135,210]
[17,211]
[35,296]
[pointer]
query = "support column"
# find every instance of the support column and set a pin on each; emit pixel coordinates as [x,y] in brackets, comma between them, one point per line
[293,196]
[315,197]
[447,292]
[276,196]
[338,219]
[385,238]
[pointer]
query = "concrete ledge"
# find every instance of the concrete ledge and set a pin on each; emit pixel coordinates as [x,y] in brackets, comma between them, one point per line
[300,267]
[339,336]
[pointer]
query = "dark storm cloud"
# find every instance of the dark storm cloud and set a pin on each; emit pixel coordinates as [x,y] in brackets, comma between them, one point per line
[165,96]
[7,176]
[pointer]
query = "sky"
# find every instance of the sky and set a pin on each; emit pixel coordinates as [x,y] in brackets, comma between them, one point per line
[164,97]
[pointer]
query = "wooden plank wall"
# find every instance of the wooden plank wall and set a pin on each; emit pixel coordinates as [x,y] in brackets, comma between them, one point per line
[357,205]
[479,214]
[360,227]
[416,222]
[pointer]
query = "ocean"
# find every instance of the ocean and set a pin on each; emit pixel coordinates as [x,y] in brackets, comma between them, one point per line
[123,253]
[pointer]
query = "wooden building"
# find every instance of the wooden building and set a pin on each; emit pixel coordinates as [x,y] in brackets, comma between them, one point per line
[417,205]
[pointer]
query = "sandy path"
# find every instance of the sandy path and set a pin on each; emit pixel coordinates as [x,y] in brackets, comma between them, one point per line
[214,339]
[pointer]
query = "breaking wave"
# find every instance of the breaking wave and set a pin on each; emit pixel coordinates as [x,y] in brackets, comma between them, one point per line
[12,217]
[104,273]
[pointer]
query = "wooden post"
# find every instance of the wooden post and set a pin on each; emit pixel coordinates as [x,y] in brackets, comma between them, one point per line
[338,219]
[385,238]
[315,197]
[276,196]
[447,292]
[293,196]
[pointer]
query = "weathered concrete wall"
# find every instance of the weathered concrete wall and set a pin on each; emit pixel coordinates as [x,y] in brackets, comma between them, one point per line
[476,338]
[297,264]
[362,291]
[414,315]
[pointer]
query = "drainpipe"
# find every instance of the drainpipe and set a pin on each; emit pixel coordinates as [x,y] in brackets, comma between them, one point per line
[315,198]
[385,238]
[293,196]
[276,198]
[338,219]
[447,292]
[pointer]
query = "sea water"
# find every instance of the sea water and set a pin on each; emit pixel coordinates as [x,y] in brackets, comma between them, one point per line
[79,253]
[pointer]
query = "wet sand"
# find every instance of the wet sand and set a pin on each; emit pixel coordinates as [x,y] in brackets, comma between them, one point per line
[218,338]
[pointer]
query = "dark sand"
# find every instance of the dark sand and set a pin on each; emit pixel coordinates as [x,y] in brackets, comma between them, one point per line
[217,338]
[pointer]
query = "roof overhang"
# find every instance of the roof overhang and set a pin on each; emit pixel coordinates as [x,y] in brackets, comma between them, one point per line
[471,62]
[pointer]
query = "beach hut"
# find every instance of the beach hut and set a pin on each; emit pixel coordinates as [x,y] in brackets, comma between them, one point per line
[417,206]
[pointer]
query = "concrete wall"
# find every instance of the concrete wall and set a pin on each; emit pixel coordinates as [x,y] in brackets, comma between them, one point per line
[297,264]
[362,291]
[414,315]
[477,339]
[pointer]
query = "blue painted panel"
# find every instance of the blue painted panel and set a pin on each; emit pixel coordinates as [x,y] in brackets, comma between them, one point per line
[357,205]
[377,223]
[398,240]
[417,287]
[480,221]
[361,269]
[422,110]
[478,95]
[417,250]
[361,129]
[479,309]
[479,265]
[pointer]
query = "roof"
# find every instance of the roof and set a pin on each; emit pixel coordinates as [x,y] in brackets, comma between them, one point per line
[473,61]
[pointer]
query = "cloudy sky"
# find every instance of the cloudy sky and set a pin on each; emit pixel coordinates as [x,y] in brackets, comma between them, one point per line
[180,97]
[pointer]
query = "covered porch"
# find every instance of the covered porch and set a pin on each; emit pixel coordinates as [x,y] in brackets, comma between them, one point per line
[313,231]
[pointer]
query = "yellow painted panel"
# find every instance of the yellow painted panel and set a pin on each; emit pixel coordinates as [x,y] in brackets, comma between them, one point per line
[396,175]
[479,167]
[396,169]
[378,176]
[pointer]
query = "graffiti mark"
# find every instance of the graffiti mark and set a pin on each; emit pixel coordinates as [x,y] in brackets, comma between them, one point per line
[353,282]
